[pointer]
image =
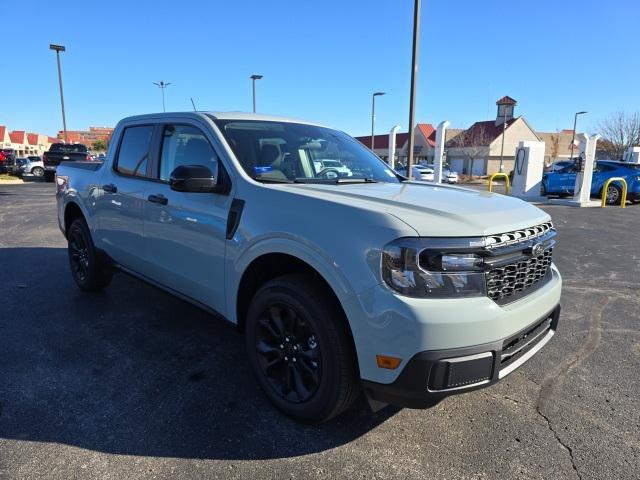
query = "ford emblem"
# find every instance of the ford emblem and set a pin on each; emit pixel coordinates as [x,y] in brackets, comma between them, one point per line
[537,250]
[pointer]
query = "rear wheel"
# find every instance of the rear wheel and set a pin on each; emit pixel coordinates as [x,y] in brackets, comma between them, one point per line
[614,194]
[300,349]
[37,171]
[543,190]
[89,273]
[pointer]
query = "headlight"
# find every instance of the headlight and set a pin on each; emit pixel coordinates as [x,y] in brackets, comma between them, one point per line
[434,268]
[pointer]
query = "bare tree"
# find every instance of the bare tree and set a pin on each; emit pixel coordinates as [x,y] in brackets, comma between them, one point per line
[473,144]
[619,132]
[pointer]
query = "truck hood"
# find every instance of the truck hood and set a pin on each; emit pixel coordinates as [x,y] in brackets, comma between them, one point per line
[435,210]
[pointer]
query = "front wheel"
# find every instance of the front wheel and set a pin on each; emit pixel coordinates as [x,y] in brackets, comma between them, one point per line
[89,273]
[300,349]
[37,171]
[614,194]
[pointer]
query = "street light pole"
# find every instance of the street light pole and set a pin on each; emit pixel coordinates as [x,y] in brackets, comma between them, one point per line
[373,117]
[254,78]
[162,86]
[414,75]
[573,138]
[58,49]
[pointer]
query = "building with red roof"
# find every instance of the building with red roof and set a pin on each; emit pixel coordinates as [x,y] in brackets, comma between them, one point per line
[423,144]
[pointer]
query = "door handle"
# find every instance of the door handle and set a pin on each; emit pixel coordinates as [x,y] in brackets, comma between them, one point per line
[110,188]
[161,199]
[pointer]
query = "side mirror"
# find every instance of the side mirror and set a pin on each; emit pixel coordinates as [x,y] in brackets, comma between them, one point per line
[194,178]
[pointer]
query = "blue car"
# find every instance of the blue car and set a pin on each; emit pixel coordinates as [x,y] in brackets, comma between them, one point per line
[562,181]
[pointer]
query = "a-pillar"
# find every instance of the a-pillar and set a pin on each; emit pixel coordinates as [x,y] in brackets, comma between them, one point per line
[441,135]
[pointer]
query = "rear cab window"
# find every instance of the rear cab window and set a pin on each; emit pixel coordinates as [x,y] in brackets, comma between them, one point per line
[133,153]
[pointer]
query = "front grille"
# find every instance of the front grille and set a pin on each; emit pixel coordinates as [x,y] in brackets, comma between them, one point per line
[508,282]
[517,346]
[518,236]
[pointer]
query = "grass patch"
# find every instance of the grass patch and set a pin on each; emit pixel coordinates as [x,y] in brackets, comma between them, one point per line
[8,176]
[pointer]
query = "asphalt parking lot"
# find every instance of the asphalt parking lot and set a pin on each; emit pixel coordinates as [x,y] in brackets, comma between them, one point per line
[133,383]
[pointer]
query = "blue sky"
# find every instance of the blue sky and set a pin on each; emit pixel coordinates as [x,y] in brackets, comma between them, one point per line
[321,60]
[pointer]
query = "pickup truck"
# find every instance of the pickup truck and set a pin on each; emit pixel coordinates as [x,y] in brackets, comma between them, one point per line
[342,284]
[62,152]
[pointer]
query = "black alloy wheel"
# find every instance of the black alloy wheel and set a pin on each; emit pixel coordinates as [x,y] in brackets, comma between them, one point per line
[300,348]
[88,271]
[288,353]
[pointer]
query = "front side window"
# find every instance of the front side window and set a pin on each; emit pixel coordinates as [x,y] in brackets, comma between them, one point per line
[134,150]
[184,145]
[292,152]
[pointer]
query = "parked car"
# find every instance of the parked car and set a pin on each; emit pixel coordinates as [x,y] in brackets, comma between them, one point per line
[416,172]
[9,161]
[557,166]
[328,166]
[33,165]
[63,152]
[367,283]
[562,182]
[448,176]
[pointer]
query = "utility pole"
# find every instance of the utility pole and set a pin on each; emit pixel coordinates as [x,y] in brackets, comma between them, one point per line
[58,49]
[414,75]
[373,117]
[162,86]
[254,78]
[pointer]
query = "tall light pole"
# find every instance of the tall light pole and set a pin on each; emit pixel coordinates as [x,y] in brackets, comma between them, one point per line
[373,117]
[58,49]
[414,75]
[573,138]
[162,86]
[254,78]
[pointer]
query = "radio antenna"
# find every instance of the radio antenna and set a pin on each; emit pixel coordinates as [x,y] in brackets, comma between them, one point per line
[194,105]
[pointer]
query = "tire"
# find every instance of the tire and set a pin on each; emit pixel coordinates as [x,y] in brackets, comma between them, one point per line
[300,349]
[37,171]
[614,194]
[543,190]
[49,176]
[89,273]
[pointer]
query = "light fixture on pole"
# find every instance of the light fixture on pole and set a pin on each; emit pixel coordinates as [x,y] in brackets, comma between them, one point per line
[573,138]
[58,49]
[373,117]
[162,86]
[414,77]
[254,78]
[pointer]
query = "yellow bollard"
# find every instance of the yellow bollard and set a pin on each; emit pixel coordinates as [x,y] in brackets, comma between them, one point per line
[606,187]
[502,175]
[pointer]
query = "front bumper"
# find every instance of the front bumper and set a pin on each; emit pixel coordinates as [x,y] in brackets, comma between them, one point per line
[430,376]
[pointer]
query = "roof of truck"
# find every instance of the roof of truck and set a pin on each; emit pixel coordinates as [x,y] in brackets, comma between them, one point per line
[224,116]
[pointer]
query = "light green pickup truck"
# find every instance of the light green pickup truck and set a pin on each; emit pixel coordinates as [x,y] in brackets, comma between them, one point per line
[345,280]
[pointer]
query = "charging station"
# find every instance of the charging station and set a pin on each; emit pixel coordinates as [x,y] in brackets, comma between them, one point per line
[632,155]
[528,170]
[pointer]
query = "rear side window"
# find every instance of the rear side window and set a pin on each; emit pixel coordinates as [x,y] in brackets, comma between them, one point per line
[134,151]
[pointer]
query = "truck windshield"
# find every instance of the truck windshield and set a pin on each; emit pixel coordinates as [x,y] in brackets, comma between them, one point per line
[272,151]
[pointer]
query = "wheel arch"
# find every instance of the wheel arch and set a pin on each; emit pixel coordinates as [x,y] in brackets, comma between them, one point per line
[72,211]
[270,265]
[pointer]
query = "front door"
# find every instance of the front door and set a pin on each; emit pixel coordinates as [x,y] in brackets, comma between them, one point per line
[184,232]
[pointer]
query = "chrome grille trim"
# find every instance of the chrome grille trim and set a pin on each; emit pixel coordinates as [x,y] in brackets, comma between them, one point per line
[517,236]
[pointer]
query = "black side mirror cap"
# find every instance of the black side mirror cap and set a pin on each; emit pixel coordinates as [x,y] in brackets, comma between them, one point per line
[195,179]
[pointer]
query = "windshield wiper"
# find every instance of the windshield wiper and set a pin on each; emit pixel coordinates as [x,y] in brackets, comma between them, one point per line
[271,180]
[334,181]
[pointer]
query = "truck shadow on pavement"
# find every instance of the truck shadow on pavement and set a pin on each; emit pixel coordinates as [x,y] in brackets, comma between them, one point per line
[134,371]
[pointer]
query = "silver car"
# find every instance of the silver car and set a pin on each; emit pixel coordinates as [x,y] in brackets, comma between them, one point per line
[33,165]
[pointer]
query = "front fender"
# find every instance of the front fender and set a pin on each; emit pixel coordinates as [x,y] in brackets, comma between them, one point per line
[286,244]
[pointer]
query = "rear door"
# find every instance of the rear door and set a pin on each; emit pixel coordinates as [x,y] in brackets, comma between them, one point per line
[120,197]
[601,173]
[185,233]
